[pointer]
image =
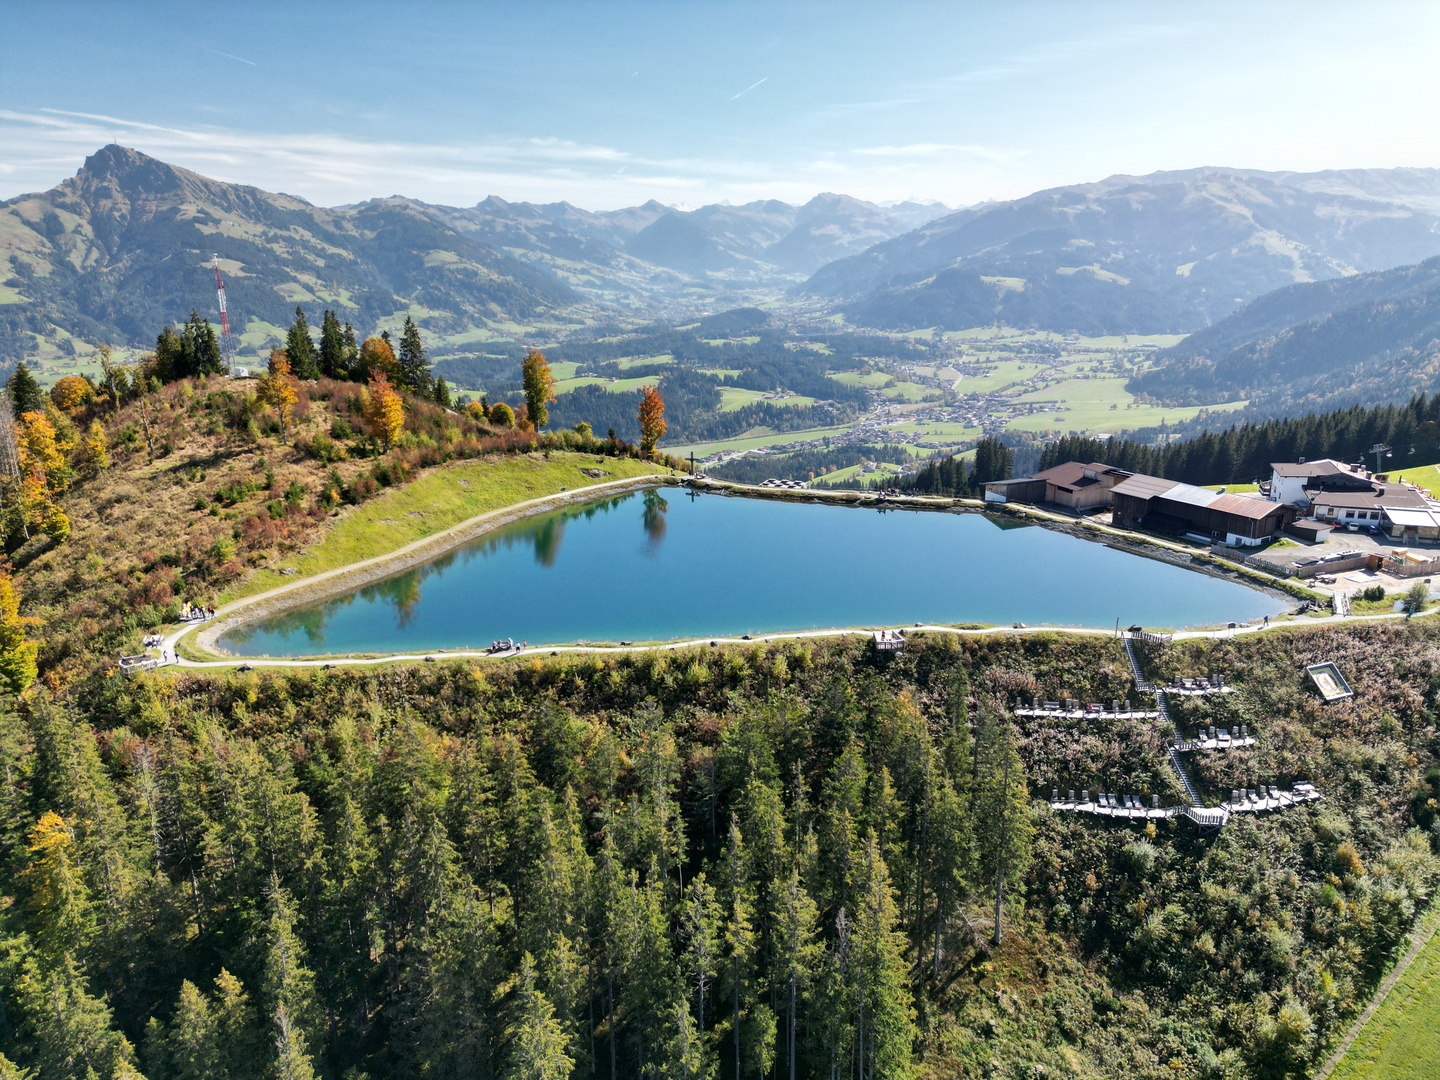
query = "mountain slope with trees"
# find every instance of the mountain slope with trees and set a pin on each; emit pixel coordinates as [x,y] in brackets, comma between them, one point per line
[1170,252]
[1363,338]
[126,244]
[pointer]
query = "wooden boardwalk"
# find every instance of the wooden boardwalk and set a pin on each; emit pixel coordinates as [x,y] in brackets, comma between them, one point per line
[1133,807]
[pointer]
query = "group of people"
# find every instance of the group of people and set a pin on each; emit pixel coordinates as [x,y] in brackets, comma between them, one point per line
[191,612]
[507,645]
[151,641]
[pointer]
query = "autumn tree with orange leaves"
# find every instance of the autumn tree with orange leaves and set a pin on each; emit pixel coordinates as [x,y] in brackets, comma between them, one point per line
[386,410]
[652,420]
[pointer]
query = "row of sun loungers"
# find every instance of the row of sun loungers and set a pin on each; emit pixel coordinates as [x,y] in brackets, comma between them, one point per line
[1133,807]
[1257,800]
[1108,805]
[1071,709]
[142,662]
[1218,740]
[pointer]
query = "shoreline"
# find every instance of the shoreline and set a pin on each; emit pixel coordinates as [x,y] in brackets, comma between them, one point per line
[355,575]
[438,655]
[352,576]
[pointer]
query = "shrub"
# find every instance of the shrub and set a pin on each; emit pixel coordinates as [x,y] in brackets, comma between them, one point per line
[502,416]
[1416,597]
[1373,593]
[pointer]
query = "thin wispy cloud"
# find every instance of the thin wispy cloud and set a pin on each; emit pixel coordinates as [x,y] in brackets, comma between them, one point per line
[230,56]
[749,88]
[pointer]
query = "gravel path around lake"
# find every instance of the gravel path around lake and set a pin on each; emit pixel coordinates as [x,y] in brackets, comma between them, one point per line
[343,579]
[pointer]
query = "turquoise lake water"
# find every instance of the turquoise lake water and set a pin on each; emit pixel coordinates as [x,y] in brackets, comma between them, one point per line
[660,564]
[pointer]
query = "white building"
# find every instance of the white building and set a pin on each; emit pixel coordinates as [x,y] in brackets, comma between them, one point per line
[1289,480]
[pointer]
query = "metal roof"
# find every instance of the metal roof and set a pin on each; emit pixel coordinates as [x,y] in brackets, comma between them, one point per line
[1244,506]
[1379,497]
[1319,467]
[1141,486]
[1190,495]
[1413,519]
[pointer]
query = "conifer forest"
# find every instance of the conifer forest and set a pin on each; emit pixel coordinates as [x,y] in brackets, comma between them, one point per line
[780,860]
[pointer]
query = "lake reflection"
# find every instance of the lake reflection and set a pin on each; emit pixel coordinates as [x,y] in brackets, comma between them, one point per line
[652,566]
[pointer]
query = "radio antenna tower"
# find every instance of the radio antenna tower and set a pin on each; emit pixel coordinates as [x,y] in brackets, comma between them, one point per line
[227,345]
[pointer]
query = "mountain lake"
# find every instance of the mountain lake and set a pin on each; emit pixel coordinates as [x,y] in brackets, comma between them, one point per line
[664,564]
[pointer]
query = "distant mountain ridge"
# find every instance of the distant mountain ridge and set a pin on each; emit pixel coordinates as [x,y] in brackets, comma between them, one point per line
[123,247]
[1171,252]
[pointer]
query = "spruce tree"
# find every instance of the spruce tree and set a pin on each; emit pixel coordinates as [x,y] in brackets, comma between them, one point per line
[25,393]
[442,393]
[413,367]
[350,364]
[205,355]
[537,1041]
[332,347]
[304,361]
[287,987]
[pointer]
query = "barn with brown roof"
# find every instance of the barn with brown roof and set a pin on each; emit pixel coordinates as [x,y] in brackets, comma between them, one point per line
[1165,506]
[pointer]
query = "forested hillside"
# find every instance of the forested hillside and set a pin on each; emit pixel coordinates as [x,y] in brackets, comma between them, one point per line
[1365,338]
[647,865]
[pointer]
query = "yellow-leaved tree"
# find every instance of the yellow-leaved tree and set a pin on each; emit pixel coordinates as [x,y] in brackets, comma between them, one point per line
[386,410]
[377,358]
[539,388]
[277,388]
[652,420]
[17,654]
[40,449]
[97,447]
[44,473]
[71,392]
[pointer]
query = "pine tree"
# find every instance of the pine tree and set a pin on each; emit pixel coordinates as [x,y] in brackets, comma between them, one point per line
[60,911]
[287,988]
[1001,812]
[537,1040]
[25,393]
[332,347]
[202,348]
[887,1028]
[350,355]
[413,369]
[71,1032]
[798,953]
[304,361]
[700,931]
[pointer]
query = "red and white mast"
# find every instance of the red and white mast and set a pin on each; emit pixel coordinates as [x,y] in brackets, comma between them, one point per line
[227,347]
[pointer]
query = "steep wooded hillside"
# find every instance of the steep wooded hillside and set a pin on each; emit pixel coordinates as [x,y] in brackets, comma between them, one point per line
[1366,338]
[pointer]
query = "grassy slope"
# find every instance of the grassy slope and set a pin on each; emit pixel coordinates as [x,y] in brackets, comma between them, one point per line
[440,499]
[1402,1039]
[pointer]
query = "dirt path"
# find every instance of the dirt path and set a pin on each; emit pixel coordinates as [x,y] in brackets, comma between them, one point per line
[1419,938]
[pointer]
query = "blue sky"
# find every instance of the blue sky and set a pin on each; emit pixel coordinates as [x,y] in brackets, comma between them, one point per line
[610,104]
